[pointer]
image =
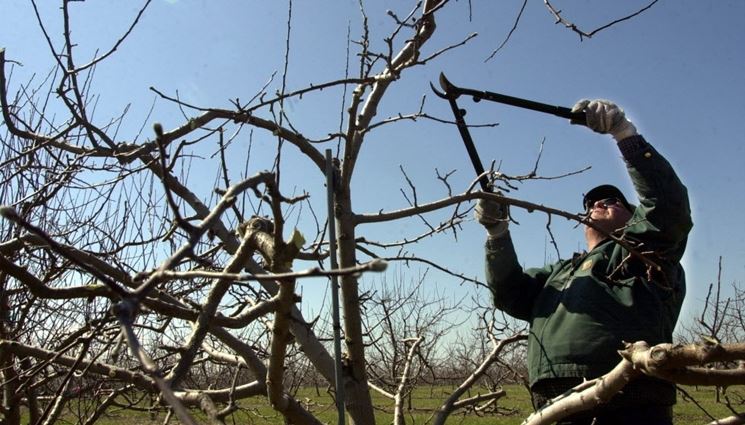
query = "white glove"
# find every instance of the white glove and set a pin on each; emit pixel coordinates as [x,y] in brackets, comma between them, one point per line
[604,116]
[495,217]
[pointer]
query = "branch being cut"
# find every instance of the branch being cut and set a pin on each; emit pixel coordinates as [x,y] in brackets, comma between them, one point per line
[529,206]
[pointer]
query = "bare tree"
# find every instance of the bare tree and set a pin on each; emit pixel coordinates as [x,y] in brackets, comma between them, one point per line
[406,325]
[121,277]
[158,270]
[486,368]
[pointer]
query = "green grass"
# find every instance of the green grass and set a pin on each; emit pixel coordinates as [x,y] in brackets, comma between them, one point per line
[512,409]
[687,411]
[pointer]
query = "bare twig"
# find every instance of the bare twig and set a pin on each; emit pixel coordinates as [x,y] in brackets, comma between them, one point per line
[512,30]
[118,42]
[561,20]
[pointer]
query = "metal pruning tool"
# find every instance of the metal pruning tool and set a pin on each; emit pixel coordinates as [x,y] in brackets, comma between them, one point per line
[452,92]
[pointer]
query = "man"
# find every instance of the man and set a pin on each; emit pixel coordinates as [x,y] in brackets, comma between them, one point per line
[580,310]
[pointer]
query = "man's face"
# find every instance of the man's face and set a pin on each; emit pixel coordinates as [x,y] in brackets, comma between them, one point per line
[608,214]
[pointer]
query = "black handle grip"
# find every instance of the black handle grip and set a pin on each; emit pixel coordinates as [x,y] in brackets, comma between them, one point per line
[454,92]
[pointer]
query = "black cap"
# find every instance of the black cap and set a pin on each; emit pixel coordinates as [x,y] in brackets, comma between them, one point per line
[605,191]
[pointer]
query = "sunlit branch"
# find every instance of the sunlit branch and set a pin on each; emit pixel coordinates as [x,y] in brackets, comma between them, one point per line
[402,389]
[376,265]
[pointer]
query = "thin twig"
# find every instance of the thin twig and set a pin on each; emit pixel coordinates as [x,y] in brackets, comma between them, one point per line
[512,30]
[560,20]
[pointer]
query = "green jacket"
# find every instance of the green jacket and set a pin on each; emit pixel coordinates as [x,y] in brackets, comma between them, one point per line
[580,310]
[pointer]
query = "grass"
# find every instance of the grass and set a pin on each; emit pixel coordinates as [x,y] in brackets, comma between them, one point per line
[689,411]
[512,409]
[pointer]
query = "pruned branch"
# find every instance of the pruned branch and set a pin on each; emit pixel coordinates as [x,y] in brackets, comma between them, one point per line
[665,361]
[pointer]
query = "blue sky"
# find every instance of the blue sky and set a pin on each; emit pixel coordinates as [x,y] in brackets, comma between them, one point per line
[677,70]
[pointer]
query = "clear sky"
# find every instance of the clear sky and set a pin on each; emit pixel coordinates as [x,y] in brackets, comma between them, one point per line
[677,70]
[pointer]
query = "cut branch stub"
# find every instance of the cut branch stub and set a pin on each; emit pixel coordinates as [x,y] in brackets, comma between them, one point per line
[278,257]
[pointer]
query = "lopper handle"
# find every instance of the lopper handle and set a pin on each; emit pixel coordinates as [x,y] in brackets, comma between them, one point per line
[559,111]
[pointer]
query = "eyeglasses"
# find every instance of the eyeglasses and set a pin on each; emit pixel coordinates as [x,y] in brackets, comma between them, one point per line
[603,203]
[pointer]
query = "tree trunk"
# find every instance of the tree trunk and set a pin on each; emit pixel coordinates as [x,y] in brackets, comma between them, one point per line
[358,400]
[11,408]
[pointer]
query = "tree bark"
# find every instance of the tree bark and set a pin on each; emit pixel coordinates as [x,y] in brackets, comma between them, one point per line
[357,400]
